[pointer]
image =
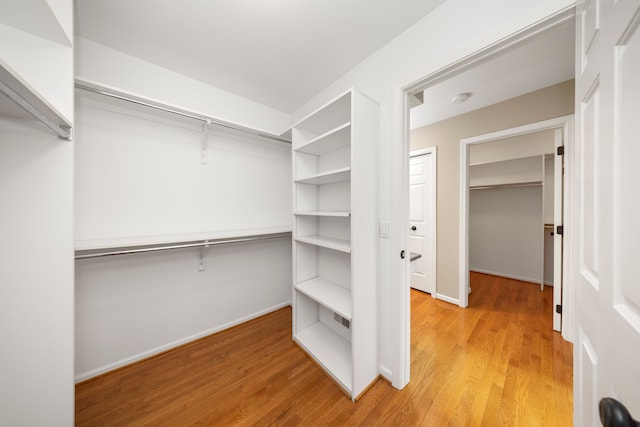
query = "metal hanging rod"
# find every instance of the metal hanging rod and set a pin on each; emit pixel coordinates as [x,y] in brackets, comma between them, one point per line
[514,185]
[83,254]
[179,112]
[28,99]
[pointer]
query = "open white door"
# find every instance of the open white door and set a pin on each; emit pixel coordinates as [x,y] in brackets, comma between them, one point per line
[607,207]
[558,250]
[422,219]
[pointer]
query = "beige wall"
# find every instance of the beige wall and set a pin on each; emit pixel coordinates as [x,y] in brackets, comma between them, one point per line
[554,101]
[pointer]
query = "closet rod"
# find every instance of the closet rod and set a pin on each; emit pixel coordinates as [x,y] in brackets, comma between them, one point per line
[514,185]
[28,99]
[182,113]
[191,244]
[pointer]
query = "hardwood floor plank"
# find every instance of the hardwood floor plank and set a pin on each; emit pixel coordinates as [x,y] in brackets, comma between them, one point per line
[497,362]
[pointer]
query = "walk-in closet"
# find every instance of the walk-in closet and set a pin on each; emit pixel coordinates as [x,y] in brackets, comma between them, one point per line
[511,208]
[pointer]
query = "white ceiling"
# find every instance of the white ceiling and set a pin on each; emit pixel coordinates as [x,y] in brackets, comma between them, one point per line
[277,52]
[545,60]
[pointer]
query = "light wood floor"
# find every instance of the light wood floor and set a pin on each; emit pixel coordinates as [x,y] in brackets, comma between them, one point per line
[497,362]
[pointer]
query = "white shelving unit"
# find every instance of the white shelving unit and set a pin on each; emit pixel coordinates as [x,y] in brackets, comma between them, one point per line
[334,239]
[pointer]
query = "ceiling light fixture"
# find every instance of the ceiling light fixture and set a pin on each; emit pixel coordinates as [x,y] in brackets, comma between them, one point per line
[462,97]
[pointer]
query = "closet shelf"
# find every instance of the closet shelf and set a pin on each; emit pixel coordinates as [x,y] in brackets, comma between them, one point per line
[326,242]
[333,296]
[330,141]
[330,350]
[341,214]
[330,177]
[30,103]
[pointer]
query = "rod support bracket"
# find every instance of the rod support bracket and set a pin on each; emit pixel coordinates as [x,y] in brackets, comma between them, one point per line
[204,155]
[201,265]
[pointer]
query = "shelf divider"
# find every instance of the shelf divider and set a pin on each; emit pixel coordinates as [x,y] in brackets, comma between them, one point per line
[326,242]
[331,295]
[327,142]
[330,177]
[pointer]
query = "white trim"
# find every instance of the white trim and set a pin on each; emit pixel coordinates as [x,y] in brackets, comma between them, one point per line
[432,266]
[554,15]
[448,299]
[568,242]
[160,349]
[400,268]
[386,372]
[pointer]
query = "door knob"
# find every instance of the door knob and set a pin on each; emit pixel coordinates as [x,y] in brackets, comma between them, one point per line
[615,414]
[414,228]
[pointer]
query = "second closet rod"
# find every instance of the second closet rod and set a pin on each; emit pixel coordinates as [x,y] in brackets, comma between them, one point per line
[180,112]
[192,244]
[513,185]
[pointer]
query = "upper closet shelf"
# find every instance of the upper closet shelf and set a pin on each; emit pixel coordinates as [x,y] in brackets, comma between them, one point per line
[340,214]
[330,141]
[20,93]
[330,177]
[176,111]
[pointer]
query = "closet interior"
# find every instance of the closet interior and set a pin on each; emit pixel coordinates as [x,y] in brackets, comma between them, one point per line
[511,210]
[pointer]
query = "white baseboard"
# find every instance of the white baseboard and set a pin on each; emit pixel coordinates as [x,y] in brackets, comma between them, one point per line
[508,276]
[386,373]
[448,299]
[160,349]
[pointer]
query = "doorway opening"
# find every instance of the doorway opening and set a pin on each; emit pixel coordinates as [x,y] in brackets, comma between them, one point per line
[523,174]
[406,95]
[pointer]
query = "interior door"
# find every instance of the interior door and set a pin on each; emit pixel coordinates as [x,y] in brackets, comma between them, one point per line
[607,209]
[558,250]
[420,221]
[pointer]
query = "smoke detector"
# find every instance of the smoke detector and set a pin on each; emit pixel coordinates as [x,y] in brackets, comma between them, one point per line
[462,97]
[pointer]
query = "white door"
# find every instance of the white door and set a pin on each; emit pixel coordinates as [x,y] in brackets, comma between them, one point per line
[422,219]
[558,250]
[607,207]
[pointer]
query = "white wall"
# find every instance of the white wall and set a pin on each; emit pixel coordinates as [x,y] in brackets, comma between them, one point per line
[36,225]
[517,147]
[505,232]
[453,31]
[139,176]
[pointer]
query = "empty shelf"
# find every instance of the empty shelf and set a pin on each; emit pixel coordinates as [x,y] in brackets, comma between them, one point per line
[330,350]
[338,175]
[343,214]
[326,242]
[334,139]
[333,296]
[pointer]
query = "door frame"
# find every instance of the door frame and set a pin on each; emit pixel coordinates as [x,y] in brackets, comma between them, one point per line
[402,91]
[432,264]
[565,125]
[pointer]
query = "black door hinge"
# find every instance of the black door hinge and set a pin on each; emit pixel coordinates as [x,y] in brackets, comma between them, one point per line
[561,150]
[560,230]
[558,309]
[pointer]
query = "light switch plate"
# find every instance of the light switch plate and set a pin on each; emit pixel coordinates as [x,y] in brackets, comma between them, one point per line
[384,229]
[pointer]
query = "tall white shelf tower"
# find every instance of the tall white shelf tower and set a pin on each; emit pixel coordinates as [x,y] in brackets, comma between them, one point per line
[335,240]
